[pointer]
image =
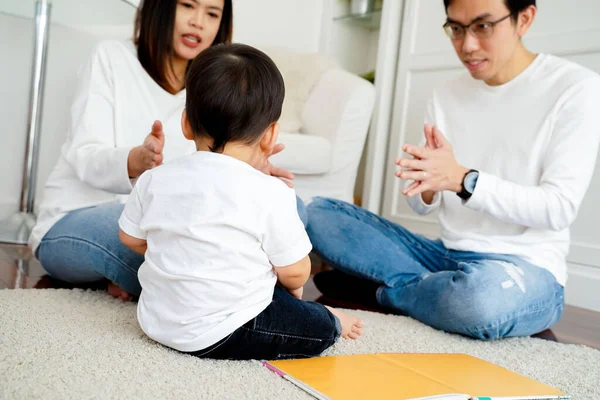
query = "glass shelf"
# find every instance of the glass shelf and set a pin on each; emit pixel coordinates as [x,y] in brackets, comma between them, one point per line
[370,20]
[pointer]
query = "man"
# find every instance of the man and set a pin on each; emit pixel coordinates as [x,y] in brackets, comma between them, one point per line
[507,157]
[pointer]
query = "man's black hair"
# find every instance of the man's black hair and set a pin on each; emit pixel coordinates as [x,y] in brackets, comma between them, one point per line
[514,6]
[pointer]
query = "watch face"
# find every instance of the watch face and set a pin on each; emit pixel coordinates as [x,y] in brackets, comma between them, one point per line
[470,181]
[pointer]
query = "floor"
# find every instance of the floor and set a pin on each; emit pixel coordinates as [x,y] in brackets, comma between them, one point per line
[18,269]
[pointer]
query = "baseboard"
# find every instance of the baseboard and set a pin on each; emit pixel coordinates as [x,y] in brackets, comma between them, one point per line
[582,287]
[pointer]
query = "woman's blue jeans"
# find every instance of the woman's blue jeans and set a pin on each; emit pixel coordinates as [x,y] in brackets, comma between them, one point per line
[84,247]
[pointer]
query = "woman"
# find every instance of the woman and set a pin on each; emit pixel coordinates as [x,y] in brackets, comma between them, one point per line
[123,88]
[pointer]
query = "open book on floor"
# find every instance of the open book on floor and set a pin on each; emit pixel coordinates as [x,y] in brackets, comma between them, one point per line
[409,376]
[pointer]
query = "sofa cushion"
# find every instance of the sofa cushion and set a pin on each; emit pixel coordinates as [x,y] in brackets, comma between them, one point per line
[304,154]
[300,71]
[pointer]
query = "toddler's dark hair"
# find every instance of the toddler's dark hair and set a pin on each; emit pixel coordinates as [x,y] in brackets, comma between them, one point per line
[234,92]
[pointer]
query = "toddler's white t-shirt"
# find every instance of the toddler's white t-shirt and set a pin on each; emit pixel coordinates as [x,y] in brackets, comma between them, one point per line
[214,227]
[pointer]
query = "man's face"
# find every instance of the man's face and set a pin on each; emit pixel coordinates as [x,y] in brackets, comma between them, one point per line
[485,58]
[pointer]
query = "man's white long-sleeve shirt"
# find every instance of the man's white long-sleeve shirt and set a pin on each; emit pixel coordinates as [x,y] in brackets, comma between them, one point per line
[534,141]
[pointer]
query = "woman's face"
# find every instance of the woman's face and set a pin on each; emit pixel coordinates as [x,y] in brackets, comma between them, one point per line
[196,25]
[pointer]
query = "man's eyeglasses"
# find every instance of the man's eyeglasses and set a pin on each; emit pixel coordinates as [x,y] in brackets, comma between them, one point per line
[479,29]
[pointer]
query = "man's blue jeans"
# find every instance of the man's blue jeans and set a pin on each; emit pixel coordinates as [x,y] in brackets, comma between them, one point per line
[84,247]
[485,296]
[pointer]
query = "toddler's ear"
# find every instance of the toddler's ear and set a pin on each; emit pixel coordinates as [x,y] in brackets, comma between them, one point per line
[269,138]
[185,126]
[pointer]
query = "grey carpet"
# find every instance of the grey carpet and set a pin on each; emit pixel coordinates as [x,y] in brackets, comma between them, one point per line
[84,344]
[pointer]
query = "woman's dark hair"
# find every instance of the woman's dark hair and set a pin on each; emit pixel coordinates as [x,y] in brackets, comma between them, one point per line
[153,36]
[514,6]
[234,92]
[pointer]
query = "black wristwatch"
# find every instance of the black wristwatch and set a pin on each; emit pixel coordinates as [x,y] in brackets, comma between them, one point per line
[467,186]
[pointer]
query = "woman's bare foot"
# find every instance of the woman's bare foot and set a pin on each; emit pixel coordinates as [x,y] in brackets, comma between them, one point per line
[351,325]
[115,291]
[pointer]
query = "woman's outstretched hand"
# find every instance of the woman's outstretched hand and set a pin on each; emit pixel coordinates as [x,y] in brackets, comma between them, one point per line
[149,154]
[283,174]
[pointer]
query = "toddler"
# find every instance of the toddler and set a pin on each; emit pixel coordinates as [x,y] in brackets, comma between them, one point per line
[226,254]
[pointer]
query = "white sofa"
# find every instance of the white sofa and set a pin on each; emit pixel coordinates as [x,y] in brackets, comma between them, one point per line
[324,122]
[326,154]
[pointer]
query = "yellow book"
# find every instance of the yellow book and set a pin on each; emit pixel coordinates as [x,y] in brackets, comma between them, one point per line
[409,376]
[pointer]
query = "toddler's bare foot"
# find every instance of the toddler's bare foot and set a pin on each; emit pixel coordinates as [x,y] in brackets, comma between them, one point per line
[115,291]
[351,325]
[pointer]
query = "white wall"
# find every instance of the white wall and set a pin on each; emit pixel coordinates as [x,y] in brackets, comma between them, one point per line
[309,26]
[371,63]
[356,50]
[14,81]
[353,46]
[83,12]
[295,24]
